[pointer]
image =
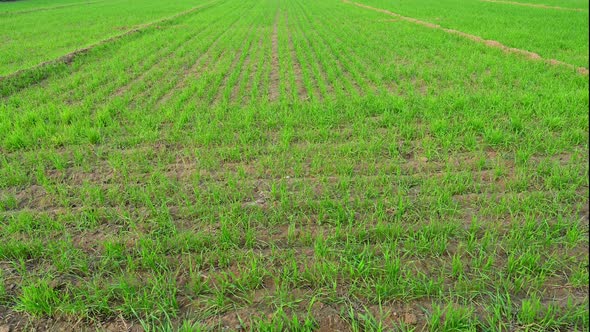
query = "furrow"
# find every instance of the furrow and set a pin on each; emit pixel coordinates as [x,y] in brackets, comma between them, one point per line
[275,78]
[298,74]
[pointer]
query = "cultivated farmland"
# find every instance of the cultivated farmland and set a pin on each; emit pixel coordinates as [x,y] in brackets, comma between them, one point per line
[333,165]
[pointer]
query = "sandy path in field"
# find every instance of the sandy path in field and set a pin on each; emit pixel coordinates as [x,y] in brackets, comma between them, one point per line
[490,43]
[534,5]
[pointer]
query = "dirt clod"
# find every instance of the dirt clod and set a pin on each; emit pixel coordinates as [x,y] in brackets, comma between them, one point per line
[410,318]
[332,323]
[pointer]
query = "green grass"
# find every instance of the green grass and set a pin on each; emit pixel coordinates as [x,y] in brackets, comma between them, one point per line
[576,4]
[536,30]
[18,7]
[293,165]
[68,28]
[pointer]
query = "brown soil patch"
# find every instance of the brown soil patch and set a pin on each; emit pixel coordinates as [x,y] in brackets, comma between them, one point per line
[11,321]
[489,43]
[534,5]
[328,318]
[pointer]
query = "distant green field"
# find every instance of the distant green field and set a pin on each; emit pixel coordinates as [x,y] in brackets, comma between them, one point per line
[18,6]
[556,34]
[297,165]
[32,36]
[582,4]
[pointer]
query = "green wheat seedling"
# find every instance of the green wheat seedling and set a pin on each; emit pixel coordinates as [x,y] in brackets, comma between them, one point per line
[294,165]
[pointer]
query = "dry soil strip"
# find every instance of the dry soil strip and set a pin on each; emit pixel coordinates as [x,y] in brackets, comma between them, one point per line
[297,70]
[534,5]
[490,43]
[275,78]
[69,58]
